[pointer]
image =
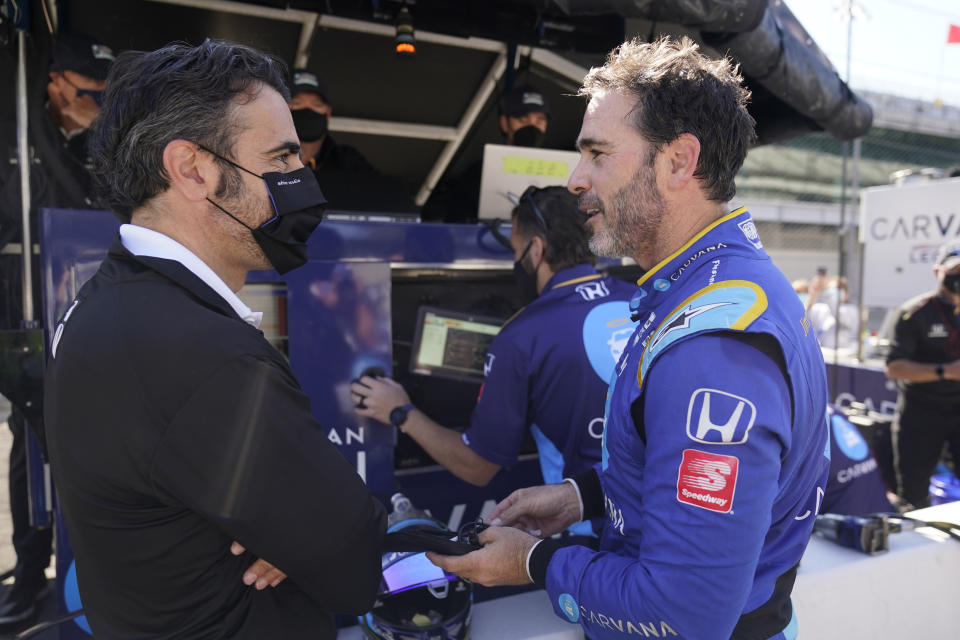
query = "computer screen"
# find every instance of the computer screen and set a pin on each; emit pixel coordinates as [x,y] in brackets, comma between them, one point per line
[452,344]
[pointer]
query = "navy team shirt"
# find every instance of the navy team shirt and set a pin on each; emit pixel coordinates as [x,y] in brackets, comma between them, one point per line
[547,370]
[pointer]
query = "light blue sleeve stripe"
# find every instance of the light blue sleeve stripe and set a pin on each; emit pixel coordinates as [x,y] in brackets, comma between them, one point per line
[551,460]
[551,466]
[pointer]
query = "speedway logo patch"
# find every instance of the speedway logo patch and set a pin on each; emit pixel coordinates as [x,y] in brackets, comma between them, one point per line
[707,480]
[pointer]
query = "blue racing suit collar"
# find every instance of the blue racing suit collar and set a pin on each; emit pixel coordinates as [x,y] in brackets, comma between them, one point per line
[734,232]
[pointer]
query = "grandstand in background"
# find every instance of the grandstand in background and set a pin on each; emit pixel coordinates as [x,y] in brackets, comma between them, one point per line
[793,188]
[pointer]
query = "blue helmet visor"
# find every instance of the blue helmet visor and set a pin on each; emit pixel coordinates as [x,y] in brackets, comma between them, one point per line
[411,572]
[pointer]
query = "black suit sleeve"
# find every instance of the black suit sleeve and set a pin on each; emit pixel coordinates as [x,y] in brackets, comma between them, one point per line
[246,453]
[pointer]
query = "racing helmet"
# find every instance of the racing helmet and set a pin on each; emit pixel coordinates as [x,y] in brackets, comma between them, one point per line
[417,600]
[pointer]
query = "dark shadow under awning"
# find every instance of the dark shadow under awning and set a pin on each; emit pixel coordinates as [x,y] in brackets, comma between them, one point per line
[426,116]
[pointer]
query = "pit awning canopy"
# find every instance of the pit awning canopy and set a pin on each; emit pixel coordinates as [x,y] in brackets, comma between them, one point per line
[421,116]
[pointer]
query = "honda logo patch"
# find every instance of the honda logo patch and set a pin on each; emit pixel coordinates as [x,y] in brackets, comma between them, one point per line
[718,417]
[593,290]
[488,364]
[707,480]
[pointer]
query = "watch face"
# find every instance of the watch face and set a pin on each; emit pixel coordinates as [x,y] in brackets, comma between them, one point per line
[397,416]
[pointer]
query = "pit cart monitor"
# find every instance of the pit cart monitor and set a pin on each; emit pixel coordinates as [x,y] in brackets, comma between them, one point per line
[452,344]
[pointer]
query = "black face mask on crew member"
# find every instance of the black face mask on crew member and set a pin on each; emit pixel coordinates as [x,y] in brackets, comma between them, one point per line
[528,136]
[526,281]
[311,126]
[951,282]
[96,95]
[298,207]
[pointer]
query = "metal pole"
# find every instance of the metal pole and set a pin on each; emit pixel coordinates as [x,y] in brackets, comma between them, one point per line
[466,121]
[855,242]
[23,160]
[841,265]
[842,235]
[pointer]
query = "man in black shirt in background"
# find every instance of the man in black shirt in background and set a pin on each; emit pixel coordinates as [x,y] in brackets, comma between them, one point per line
[311,108]
[524,117]
[924,359]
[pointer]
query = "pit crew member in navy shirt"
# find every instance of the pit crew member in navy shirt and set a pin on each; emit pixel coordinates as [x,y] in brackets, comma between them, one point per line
[715,448]
[546,370]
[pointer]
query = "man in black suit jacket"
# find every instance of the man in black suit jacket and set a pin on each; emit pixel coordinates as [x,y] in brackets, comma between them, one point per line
[174,427]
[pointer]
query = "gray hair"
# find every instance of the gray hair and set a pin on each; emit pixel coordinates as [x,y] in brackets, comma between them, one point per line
[679,90]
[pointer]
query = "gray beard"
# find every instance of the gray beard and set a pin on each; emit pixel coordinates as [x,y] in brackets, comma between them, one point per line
[632,220]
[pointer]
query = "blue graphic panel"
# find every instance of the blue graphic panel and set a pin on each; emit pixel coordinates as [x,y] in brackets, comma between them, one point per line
[848,438]
[606,331]
[338,322]
[71,597]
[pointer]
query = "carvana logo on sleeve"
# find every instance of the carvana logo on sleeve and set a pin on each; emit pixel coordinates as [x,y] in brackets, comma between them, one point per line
[569,607]
[848,438]
[606,332]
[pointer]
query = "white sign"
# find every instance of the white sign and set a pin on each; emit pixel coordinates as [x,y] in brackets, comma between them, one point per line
[508,171]
[902,229]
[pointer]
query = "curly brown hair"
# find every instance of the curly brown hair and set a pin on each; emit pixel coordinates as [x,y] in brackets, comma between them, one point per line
[679,90]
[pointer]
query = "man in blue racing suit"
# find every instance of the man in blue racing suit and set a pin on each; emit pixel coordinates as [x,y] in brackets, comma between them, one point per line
[547,368]
[715,449]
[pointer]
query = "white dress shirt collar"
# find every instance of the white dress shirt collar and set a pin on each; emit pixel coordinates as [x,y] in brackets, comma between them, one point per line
[141,241]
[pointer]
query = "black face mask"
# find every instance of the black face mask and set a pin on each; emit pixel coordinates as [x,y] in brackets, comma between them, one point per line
[298,204]
[311,126]
[951,283]
[526,281]
[96,95]
[528,136]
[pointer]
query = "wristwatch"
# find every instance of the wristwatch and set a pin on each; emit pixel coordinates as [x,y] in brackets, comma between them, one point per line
[939,370]
[399,415]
